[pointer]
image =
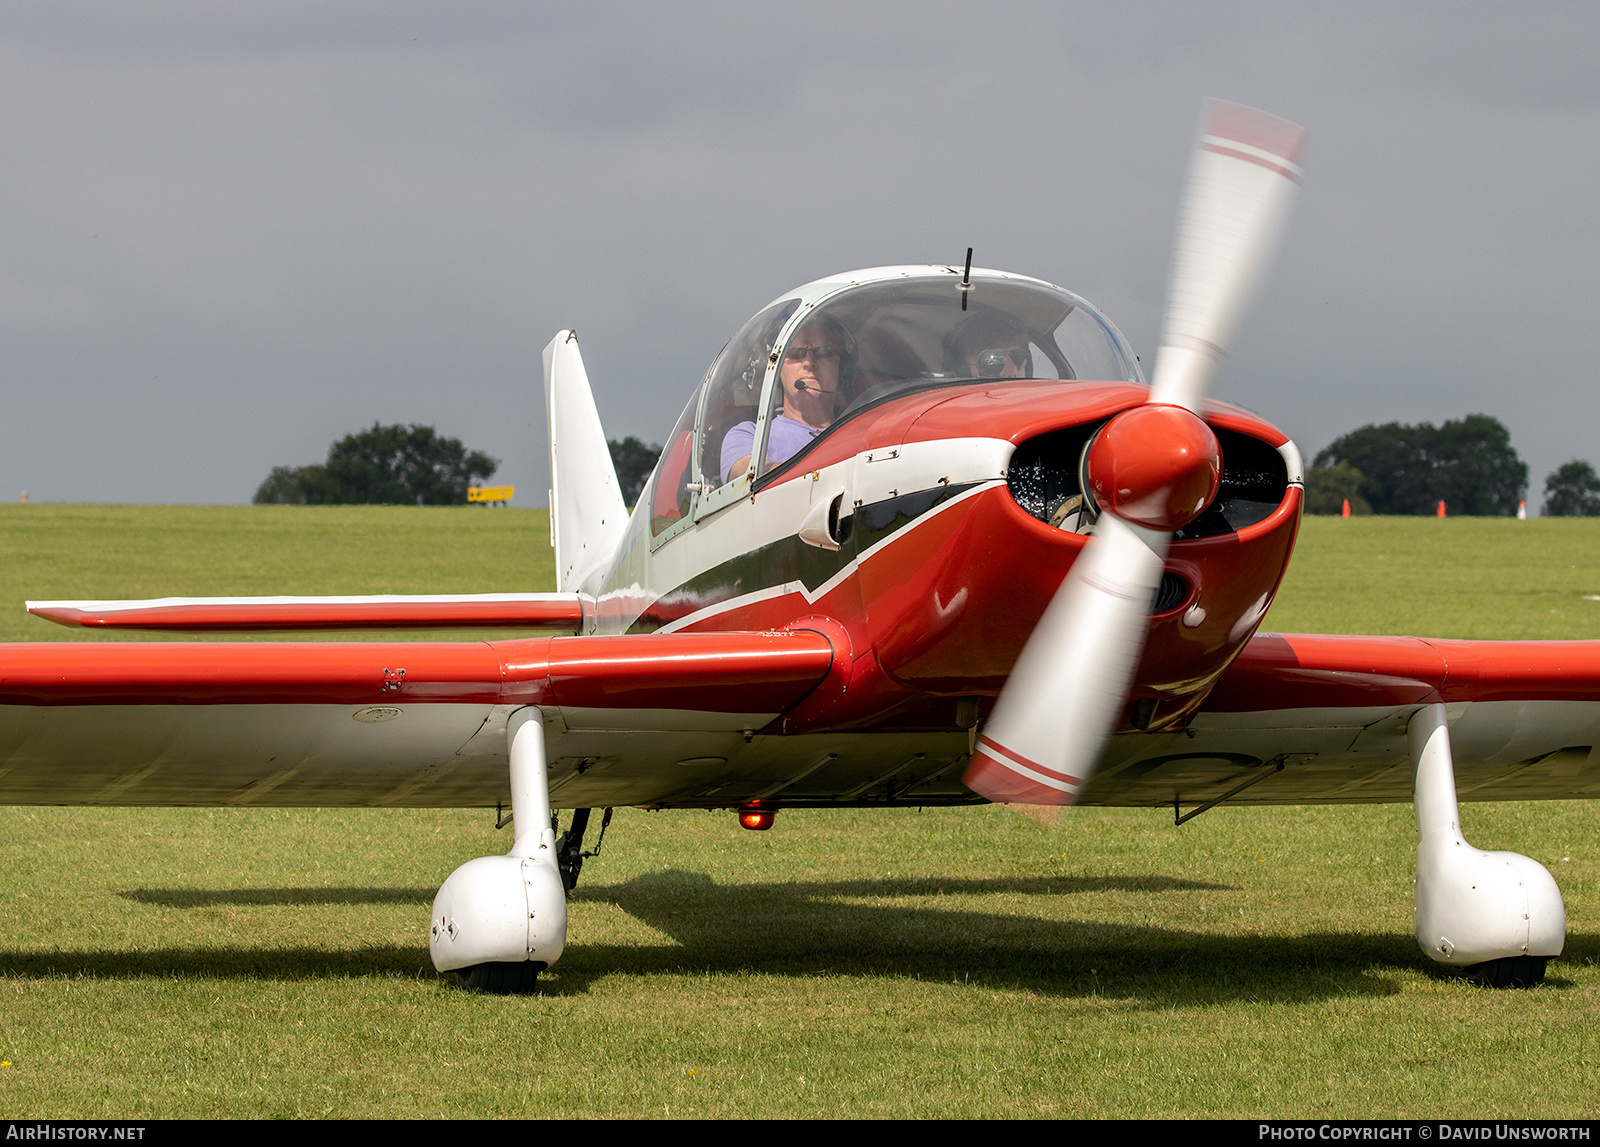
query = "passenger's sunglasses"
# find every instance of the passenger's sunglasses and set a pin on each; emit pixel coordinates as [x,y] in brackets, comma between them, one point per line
[991,363]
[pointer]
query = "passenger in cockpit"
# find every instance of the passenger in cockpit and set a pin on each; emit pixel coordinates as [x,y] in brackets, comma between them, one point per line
[989,346]
[819,356]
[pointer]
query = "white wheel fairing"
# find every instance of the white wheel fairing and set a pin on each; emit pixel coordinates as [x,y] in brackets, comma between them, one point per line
[508,909]
[498,910]
[1472,906]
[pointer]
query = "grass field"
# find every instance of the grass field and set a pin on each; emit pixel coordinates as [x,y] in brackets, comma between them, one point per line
[1255,962]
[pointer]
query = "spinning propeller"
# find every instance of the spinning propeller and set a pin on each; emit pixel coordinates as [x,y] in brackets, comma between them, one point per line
[1150,470]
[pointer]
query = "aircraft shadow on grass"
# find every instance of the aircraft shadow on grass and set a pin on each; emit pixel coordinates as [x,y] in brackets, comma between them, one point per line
[296,897]
[937,930]
[833,928]
[280,897]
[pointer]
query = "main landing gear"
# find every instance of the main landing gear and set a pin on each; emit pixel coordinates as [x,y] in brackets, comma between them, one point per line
[1497,915]
[499,921]
[569,846]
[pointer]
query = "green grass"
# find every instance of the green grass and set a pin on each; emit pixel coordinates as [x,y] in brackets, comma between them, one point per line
[1486,578]
[1254,962]
[71,552]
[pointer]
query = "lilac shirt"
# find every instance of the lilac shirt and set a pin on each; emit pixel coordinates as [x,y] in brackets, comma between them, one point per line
[785,439]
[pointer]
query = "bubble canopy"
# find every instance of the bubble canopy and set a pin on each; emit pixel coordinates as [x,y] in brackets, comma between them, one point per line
[914,330]
[833,348]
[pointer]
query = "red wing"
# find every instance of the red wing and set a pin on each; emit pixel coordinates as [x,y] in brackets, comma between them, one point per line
[420,724]
[1333,711]
[556,612]
[1297,670]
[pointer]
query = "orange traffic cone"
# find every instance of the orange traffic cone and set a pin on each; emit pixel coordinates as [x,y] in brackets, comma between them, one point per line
[1345,513]
[1441,507]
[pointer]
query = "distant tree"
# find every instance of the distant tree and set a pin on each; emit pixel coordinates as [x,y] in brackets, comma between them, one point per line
[634,461]
[1327,487]
[1476,470]
[1396,472]
[386,465]
[1468,463]
[1573,491]
[284,486]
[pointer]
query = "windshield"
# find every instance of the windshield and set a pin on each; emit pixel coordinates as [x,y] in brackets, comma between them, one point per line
[884,339]
[734,392]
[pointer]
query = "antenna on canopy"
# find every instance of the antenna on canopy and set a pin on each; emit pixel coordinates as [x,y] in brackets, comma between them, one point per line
[966,280]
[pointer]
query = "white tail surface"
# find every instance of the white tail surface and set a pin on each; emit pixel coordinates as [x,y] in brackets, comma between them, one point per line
[587,513]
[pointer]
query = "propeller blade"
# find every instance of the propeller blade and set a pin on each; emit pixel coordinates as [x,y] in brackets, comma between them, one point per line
[1150,470]
[1068,687]
[1241,185]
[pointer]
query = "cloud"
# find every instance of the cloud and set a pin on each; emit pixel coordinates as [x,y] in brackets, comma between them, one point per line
[233,235]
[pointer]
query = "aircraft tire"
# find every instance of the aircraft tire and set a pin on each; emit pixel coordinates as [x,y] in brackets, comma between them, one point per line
[501,979]
[1509,972]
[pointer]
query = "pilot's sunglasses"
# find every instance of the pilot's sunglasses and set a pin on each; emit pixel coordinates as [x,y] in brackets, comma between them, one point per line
[819,353]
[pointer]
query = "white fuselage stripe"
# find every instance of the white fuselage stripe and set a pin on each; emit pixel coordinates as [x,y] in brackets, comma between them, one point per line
[811,596]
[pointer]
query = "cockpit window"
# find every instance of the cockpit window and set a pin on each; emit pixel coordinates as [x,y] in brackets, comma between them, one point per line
[817,367]
[669,493]
[733,394]
[885,339]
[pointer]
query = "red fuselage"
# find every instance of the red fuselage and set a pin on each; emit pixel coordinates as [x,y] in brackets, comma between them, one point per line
[935,588]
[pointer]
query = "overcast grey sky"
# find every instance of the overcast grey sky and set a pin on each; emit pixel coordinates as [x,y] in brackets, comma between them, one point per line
[233,233]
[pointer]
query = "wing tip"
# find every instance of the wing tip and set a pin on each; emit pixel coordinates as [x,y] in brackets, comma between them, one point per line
[57,612]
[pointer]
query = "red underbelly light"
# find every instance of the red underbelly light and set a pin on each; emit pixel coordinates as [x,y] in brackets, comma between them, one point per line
[757,819]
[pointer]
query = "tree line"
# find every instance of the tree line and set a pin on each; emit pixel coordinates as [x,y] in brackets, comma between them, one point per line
[1468,464]
[387,466]
[417,466]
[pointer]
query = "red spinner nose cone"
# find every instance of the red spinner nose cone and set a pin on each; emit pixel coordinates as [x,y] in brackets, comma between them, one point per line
[1155,466]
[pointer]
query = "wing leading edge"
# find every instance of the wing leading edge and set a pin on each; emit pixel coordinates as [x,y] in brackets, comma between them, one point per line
[554,612]
[1297,670]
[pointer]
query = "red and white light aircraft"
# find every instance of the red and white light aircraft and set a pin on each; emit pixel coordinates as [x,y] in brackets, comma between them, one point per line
[922,535]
